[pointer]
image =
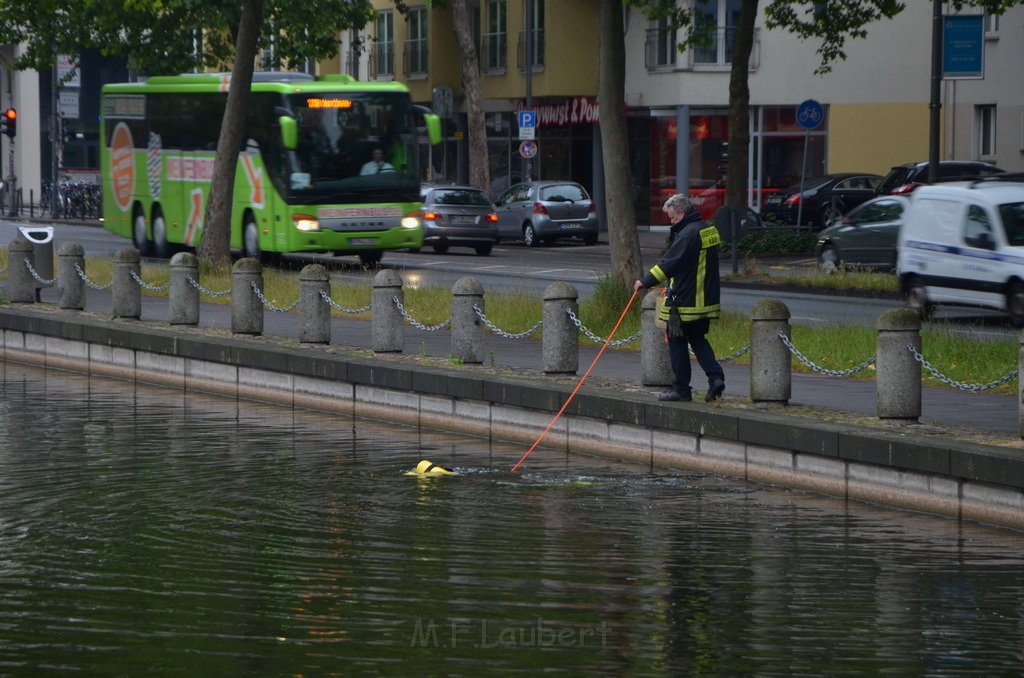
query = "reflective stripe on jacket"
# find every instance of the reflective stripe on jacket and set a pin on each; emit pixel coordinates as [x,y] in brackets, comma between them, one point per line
[690,267]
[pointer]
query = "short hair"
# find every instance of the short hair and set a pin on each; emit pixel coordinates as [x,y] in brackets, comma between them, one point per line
[677,203]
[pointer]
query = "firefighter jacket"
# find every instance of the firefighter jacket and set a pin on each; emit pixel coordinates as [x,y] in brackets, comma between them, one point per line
[690,268]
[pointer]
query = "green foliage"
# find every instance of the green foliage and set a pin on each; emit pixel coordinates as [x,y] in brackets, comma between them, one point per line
[161,36]
[774,241]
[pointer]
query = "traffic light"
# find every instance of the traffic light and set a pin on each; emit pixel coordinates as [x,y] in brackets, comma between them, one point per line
[9,122]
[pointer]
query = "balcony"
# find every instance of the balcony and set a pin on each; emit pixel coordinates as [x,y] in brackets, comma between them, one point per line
[494,53]
[382,61]
[414,58]
[661,52]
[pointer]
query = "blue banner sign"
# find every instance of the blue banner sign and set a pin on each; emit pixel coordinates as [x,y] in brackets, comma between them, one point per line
[963,46]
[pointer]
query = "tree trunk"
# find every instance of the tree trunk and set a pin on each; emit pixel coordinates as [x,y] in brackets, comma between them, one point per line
[618,174]
[216,239]
[739,107]
[479,163]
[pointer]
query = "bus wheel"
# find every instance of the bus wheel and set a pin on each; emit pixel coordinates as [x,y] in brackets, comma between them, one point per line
[370,258]
[140,238]
[250,239]
[160,248]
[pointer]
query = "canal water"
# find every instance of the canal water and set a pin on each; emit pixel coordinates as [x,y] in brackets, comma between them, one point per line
[148,532]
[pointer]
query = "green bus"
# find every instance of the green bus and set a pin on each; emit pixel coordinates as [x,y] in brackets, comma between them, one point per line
[328,164]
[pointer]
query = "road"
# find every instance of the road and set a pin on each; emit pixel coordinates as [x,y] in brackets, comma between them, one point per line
[512,266]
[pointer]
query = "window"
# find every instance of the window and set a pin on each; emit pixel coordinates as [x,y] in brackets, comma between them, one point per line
[717,20]
[661,46]
[978,229]
[495,38]
[384,50]
[986,117]
[991,25]
[536,8]
[416,45]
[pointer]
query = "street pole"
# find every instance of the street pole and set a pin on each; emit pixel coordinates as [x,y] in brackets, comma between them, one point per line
[528,57]
[54,132]
[935,104]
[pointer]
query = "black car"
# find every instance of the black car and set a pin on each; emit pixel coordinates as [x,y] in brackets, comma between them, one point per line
[904,178]
[458,216]
[822,200]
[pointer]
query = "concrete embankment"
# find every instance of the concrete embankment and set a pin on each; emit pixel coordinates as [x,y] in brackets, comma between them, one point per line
[892,466]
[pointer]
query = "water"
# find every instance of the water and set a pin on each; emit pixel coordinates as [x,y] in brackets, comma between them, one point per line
[143,531]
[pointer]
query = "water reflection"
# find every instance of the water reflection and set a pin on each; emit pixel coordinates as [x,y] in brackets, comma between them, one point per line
[144,530]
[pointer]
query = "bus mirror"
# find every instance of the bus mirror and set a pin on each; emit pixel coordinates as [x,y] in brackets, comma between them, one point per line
[433,123]
[289,132]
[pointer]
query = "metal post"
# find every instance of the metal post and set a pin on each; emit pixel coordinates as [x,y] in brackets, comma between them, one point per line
[528,58]
[935,103]
[803,173]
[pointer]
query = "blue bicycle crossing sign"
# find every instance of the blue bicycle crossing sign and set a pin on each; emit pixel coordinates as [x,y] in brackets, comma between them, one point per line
[810,114]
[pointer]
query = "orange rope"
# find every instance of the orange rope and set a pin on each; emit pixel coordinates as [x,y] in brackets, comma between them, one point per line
[582,379]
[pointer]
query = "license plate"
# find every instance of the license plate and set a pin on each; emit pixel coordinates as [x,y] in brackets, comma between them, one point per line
[362,241]
[463,220]
[569,227]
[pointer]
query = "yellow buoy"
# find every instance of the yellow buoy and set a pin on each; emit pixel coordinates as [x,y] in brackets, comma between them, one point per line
[429,468]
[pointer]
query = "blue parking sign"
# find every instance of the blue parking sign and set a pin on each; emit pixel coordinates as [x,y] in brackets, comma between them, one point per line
[527,118]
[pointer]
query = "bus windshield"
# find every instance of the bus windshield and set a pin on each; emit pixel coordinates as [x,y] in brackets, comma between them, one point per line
[353,147]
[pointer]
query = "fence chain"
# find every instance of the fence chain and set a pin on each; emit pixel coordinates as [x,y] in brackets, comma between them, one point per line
[35,275]
[203,290]
[418,325]
[734,356]
[90,283]
[822,370]
[269,304]
[596,339]
[502,333]
[333,304]
[973,388]
[146,286]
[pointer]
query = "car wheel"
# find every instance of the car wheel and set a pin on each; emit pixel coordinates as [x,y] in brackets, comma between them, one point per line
[370,259]
[140,236]
[484,250]
[160,248]
[440,249]
[250,238]
[827,215]
[828,258]
[917,299]
[530,238]
[1015,303]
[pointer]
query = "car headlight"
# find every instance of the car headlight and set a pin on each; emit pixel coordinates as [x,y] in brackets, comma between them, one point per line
[305,222]
[412,219]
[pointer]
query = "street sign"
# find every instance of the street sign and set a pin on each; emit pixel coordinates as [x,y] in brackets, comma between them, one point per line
[810,114]
[527,125]
[528,149]
[963,47]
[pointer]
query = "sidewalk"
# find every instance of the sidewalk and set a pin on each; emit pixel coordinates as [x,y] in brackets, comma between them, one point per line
[979,412]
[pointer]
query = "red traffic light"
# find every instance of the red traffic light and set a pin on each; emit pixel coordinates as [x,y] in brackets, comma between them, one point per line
[9,122]
[10,114]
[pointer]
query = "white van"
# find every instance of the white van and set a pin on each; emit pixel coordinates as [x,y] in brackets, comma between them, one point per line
[962,243]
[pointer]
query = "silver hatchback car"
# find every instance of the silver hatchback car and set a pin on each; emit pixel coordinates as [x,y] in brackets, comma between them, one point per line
[537,212]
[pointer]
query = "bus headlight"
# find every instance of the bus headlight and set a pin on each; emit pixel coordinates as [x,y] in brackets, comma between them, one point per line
[410,222]
[305,222]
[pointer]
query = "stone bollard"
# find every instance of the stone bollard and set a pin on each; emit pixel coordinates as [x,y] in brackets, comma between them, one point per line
[1020,382]
[126,292]
[69,282]
[246,306]
[655,363]
[388,335]
[183,295]
[561,345]
[771,372]
[20,284]
[897,370]
[314,282]
[467,328]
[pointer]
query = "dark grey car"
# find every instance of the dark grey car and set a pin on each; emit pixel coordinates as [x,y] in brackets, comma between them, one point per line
[458,216]
[867,236]
[537,212]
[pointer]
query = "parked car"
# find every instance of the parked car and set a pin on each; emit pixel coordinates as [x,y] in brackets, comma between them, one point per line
[822,200]
[963,244]
[866,237]
[458,216]
[908,176]
[538,212]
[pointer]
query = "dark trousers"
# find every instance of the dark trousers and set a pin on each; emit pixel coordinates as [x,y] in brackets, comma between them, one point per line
[695,336]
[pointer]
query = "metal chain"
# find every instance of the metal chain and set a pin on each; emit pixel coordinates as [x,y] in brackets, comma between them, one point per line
[203,290]
[35,275]
[415,323]
[333,304]
[734,356]
[596,339]
[268,303]
[90,283]
[146,286]
[500,332]
[821,370]
[973,388]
